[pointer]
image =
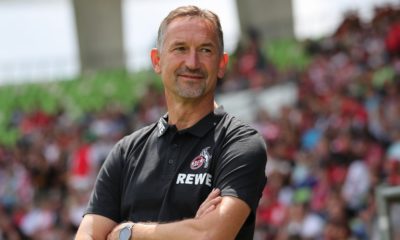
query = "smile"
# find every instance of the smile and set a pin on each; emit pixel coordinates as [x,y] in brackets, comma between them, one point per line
[194,77]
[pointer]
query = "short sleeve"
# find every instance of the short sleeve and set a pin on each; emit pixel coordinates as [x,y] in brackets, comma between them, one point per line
[240,171]
[105,199]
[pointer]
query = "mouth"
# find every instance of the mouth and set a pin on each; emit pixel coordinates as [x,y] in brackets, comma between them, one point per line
[191,76]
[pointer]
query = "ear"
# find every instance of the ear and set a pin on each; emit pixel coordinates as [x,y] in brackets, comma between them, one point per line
[155,60]
[223,64]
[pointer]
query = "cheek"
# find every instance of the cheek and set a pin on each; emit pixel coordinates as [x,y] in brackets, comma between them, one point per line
[164,66]
[169,65]
[167,73]
[213,70]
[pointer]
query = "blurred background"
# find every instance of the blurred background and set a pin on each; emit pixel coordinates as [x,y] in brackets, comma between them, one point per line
[320,80]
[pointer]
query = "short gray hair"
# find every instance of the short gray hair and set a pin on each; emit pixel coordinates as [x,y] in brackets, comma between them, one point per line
[191,11]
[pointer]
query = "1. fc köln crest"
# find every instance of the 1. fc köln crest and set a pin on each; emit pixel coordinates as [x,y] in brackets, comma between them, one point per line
[203,159]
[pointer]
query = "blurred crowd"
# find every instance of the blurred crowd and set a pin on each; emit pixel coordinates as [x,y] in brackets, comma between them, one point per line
[47,177]
[328,153]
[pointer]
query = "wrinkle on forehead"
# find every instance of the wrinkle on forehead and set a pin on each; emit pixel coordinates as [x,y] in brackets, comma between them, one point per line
[201,27]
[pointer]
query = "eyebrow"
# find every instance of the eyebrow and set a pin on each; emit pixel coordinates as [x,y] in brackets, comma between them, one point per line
[207,44]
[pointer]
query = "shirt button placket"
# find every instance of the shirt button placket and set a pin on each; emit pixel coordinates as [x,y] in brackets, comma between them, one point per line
[174,155]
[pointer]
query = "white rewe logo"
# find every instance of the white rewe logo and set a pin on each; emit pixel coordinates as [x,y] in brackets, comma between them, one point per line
[194,179]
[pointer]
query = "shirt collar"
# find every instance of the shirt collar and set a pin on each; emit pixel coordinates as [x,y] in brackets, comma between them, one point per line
[199,129]
[162,125]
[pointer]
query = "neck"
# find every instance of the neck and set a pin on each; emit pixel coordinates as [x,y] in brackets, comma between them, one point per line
[185,114]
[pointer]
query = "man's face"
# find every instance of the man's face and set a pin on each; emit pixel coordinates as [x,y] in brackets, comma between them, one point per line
[190,60]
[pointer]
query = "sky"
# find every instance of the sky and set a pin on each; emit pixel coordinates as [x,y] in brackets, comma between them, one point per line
[38,39]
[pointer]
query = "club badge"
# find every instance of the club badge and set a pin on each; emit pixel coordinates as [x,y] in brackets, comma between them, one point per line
[203,159]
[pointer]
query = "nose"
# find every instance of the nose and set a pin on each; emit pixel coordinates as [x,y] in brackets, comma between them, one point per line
[192,60]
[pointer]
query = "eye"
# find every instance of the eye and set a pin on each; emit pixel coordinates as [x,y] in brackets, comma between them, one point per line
[205,50]
[180,49]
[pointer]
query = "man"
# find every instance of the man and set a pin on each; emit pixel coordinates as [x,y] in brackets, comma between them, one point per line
[196,174]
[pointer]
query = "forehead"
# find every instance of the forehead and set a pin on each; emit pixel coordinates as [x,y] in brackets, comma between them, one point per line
[190,28]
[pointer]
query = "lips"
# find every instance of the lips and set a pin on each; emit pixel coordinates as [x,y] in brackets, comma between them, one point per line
[191,74]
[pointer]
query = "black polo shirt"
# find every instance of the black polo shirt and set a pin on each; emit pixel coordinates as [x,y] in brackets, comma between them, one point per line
[160,174]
